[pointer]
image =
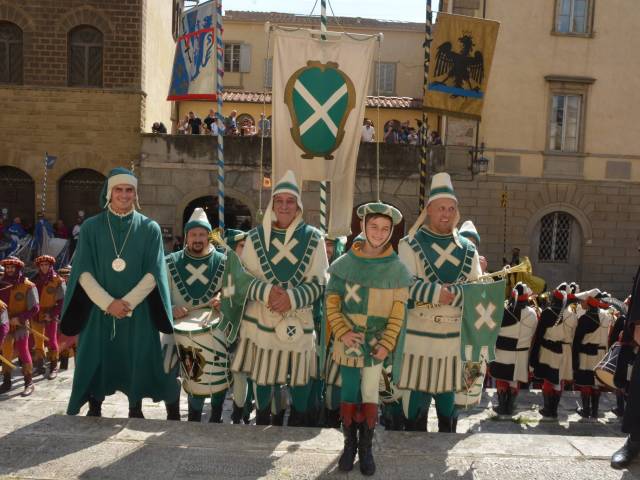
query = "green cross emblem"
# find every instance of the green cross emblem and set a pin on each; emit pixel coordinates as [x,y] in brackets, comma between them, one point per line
[320,98]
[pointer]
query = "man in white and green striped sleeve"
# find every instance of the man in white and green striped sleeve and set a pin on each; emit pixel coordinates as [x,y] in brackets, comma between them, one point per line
[440,259]
[277,339]
[195,276]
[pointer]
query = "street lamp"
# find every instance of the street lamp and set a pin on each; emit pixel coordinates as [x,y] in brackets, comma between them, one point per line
[479,163]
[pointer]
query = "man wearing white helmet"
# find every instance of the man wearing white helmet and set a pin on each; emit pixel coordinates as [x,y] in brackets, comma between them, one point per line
[277,339]
[440,259]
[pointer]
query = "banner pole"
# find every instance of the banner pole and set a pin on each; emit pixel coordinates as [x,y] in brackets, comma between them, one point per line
[219,117]
[323,184]
[423,129]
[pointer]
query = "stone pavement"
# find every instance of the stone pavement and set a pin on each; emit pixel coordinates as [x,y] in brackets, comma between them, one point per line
[37,440]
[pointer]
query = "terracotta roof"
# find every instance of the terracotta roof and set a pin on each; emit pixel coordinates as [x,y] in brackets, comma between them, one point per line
[383,102]
[314,20]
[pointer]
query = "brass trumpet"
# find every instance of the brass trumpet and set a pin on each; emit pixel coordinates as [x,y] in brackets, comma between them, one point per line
[523,267]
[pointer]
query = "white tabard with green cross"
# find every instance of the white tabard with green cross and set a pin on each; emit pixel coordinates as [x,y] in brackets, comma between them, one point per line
[194,280]
[432,359]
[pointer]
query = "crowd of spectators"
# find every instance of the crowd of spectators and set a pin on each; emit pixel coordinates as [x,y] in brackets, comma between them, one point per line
[191,124]
[396,132]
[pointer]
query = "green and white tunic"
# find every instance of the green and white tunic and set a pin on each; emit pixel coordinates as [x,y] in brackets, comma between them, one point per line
[193,282]
[272,347]
[431,360]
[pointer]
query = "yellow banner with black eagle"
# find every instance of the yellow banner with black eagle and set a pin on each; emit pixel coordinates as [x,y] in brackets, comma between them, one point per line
[461,55]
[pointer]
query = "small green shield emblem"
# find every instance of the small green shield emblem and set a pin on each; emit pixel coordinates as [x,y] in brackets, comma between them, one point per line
[320,98]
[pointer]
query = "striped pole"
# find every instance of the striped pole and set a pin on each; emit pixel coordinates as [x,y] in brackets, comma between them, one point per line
[323,185]
[423,129]
[220,118]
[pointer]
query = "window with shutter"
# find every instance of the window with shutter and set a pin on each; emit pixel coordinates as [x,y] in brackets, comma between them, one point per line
[10,53]
[85,57]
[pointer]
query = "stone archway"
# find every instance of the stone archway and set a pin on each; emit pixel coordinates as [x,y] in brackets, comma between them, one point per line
[17,195]
[79,190]
[556,247]
[236,214]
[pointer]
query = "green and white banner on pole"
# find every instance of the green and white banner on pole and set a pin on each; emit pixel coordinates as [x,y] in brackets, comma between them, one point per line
[319,97]
[482,313]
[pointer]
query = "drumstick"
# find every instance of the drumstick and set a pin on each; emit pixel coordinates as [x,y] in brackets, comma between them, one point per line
[7,362]
[38,334]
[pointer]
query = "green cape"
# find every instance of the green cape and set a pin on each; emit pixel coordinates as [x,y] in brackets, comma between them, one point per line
[114,354]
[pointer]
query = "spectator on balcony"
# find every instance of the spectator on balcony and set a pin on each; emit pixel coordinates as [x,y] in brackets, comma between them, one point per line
[158,127]
[210,120]
[391,135]
[194,124]
[248,129]
[264,126]
[368,132]
[435,138]
[412,137]
[231,123]
[183,126]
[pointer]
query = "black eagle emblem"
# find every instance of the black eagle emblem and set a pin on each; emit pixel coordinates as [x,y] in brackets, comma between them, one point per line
[464,69]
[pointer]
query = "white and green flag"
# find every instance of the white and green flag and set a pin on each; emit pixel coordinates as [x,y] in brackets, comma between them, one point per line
[481,320]
[319,96]
[235,287]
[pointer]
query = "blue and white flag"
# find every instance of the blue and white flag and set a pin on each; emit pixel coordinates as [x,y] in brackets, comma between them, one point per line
[49,160]
[194,64]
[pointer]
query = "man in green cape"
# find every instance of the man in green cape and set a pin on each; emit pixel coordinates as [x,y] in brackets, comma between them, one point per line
[117,300]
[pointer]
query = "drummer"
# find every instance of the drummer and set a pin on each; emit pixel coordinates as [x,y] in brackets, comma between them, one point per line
[195,275]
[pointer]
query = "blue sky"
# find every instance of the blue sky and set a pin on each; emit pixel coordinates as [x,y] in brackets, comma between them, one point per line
[401,10]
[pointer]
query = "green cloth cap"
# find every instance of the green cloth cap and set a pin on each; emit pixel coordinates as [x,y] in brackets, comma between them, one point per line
[233,237]
[382,209]
[117,176]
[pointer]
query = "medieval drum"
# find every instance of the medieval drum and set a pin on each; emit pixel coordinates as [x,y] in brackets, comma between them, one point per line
[606,368]
[202,350]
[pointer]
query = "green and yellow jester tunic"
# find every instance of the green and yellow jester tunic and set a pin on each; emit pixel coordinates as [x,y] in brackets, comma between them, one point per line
[367,295]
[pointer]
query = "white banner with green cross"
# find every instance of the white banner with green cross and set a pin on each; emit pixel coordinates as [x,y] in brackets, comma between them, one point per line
[318,100]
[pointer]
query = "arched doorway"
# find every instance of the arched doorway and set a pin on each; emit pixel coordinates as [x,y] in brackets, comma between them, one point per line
[556,248]
[236,214]
[79,190]
[398,231]
[17,195]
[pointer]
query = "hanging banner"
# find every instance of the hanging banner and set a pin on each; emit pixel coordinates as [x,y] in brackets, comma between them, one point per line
[481,320]
[194,65]
[319,95]
[461,55]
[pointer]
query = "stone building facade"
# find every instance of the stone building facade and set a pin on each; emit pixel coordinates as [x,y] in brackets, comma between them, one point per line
[81,81]
[179,172]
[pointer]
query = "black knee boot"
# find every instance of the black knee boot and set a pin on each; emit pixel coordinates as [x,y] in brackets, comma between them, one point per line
[236,415]
[585,410]
[136,410]
[95,408]
[365,439]
[618,410]
[503,400]
[296,418]
[332,418]
[6,383]
[595,403]
[216,414]
[263,417]
[173,410]
[447,424]
[194,415]
[350,432]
